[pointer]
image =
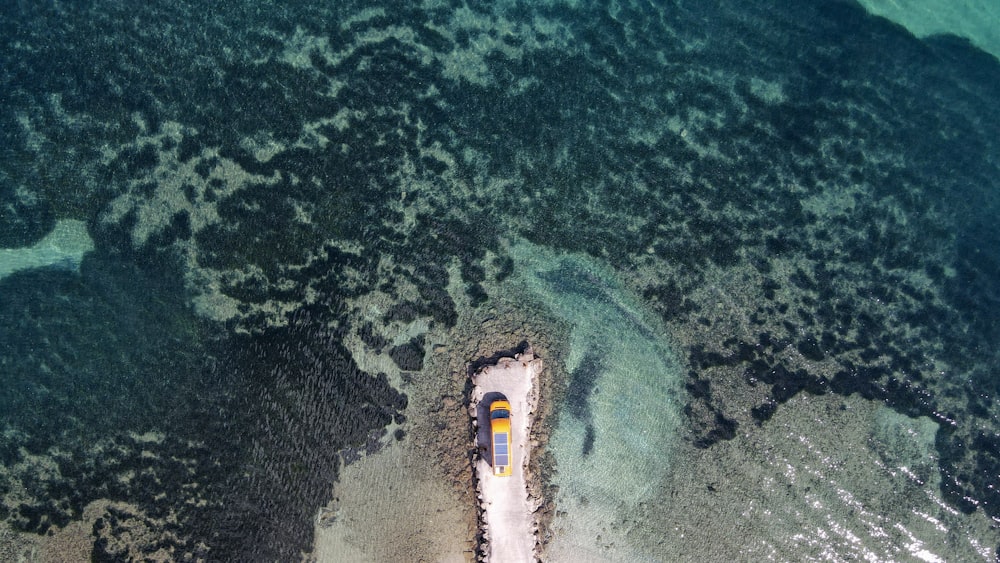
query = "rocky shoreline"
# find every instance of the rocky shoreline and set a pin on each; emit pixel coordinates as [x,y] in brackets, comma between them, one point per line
[436,456]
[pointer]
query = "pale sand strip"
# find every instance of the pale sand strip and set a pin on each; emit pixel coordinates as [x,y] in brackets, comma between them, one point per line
[508,522]
[64,247]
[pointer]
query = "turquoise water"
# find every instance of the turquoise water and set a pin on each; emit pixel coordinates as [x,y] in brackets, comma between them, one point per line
[621,419]
[623,378]
[233,241]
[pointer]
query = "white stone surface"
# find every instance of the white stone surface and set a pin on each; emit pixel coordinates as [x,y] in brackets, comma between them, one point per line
[509,516]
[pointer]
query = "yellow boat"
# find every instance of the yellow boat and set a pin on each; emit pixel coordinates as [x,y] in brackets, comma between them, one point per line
[500,430]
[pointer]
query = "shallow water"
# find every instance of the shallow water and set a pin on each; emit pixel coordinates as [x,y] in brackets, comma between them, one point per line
[768,232]
[614,448]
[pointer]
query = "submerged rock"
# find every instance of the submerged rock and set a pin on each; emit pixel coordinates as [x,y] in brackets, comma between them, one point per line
[27,216]
[409,356]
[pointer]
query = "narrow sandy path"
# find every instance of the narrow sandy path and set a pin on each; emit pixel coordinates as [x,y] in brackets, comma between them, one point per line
[509,523]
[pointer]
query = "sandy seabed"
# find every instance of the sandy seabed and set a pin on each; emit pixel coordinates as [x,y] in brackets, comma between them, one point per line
[393,506]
